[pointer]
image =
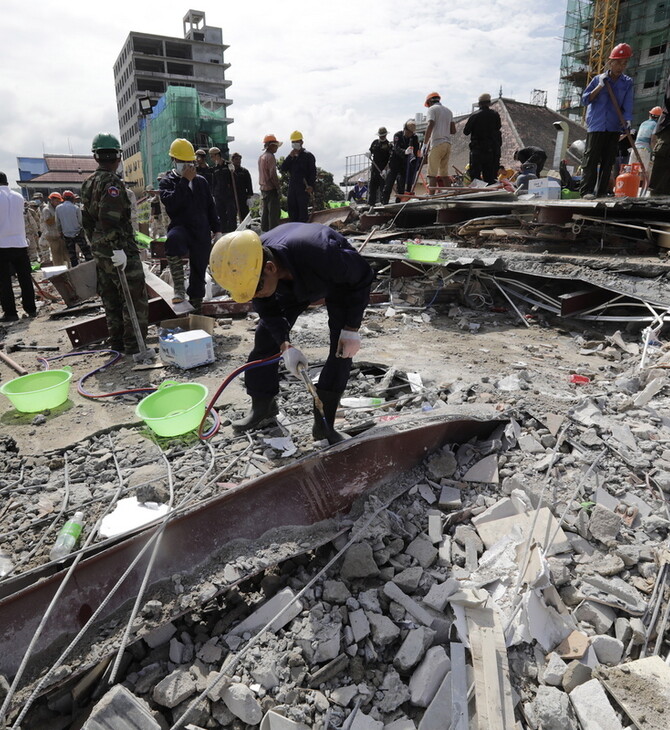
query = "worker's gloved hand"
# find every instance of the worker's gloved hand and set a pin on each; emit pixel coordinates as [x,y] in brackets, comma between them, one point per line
[293,357]
[119,258]
[348,345]
[409,151]
[602,78]
[424,150]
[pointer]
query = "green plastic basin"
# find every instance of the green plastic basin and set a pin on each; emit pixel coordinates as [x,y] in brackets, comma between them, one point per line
[174,409]
[421,252]
[38,391]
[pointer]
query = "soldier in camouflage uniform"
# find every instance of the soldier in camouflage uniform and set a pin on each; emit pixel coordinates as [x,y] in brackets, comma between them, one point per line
[106,218]
[32,220]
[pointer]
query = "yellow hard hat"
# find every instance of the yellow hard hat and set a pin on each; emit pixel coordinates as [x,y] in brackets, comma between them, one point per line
[296,136]
[236,261]
[182,149]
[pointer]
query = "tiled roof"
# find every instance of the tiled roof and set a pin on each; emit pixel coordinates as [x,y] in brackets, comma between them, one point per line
[55,178]
[70,162]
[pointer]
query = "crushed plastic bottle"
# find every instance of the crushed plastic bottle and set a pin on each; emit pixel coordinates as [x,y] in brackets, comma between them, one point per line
[6,564]
[67,537]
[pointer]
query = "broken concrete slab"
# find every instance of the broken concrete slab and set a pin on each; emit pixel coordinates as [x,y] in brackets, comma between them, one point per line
[178,686]
[554,670]
[438,594]
[262,615]
[552,711]
[593,709]
[545,528]
[384,631]
[413,648]
[242,702]
[428,676]
[484,471]
[614,592]
[362,721]
[359,562]
[360,626]
[604,524]
[576,673]
[274,721]
[119,709]
[160,636]
[597,615]
[422,550]
[392,591]
[438,714]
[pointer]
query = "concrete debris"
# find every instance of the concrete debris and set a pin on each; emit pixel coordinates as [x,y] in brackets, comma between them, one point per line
[119,709]
[592,707]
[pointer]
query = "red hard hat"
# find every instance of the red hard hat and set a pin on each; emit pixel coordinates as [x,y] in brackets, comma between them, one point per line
[656,111]
[68,194]
[623,50]
[432,95]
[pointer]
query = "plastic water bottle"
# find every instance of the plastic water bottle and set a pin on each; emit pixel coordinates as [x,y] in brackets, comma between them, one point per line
[67,537]
[361,402]
[6,564]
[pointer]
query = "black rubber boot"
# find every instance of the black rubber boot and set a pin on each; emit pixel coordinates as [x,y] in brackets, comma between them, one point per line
[322,430]
[262,410]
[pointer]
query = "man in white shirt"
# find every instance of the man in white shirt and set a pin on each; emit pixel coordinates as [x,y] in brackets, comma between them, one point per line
[438,139]
[14,254]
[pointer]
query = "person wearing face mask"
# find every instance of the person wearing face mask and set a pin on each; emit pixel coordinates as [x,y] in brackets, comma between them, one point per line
[379,156]
[301,167]
[106,221]
[193,219]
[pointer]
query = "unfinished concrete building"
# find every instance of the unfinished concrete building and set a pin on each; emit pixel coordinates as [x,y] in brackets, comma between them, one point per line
[593,27]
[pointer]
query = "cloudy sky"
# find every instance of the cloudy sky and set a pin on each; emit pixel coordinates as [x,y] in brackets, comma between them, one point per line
[334,70]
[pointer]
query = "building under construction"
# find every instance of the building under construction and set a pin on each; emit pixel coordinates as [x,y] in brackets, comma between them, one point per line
[593,28]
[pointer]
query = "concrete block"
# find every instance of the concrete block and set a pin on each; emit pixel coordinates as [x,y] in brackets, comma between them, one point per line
[438,714]
[160,636]
[438,595]
[502,508]
[484,471]
[593,709]
[552,710]
[262,615]
[365,722]
[359,562]
[554,670]
[241,701]
[395,692]
[426,491]
[408,579]
[441,465]
[608,649]
[413,648]
[384,631]
[435,519]
[360,626]
[210,652]
[343,696]
[422,550]
[335,591]
[597,615]
[119,709]
[450,498]
[444,551]
[427,677]
[576,673]
[392,591]
[604,524]
[175,688]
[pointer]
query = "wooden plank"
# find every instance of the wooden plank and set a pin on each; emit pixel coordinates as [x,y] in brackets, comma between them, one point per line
[163,290]
[459,688]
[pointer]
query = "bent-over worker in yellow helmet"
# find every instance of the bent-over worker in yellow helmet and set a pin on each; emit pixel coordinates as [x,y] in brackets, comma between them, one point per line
[283,272]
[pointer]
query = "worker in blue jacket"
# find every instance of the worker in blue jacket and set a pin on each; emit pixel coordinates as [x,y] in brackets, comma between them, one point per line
[193,219]
[603,121]
[301,168]
[283,272]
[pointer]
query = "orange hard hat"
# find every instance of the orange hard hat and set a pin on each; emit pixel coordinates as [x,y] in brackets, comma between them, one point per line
[55,196]
[623,50]
[432,95]
[270,138]
[656,111]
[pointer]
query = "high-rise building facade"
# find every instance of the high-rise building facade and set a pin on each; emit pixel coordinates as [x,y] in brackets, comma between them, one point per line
[148,64]
[593,28]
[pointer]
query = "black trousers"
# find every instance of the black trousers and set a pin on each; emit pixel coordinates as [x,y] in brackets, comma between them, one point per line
[198,245]
[263,382]
[376,185]
[484,164]
[15,260]
[599,155]
[659,183]
[297,203]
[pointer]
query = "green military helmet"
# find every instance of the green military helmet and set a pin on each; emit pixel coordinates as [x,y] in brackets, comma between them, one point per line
[105,141]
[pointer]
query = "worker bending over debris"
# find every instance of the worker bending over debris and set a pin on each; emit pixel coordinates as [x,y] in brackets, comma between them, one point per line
[603,121]
[284,271]
[106,221]
[193,219]
[535,155]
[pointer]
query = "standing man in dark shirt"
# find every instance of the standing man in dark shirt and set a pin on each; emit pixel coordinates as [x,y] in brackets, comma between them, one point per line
[284,271]
[379,156]
[222,191]
[483,128]
[201,166]
[301,167]
[659,183]
[535,155]
[243,186]
[405,149]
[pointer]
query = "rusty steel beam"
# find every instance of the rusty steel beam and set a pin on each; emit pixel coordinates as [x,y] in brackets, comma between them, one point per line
[307,492]
[578,301]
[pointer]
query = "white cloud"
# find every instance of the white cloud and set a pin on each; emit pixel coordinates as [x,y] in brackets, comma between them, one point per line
[336,71]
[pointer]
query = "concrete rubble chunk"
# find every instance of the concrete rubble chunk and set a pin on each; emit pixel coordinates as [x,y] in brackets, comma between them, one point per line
[438,594]
[484,471]
[274,721]
[428,676]
[608,649]
[262,615]
[392,591]
[426,491]
[435,519]
[530,444]
[343,696]
[554,670]
[593,709]
[119,709]
[422,550]
[335,591]
[160,636]
[400,725]
[362,721]
[604,524]
[384,631]
[408,579]
[359,562]
[320,641]
[616,590]
[576,673]
[438,714]
[599,616]
[502,508]
[360,626]
[413,648]
[175,688]
[651,389]
[552,710]
[395,692]
[241,701]
[450,498]
[441,465]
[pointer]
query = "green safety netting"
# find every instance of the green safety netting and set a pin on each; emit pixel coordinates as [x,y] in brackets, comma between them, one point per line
[179,113]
